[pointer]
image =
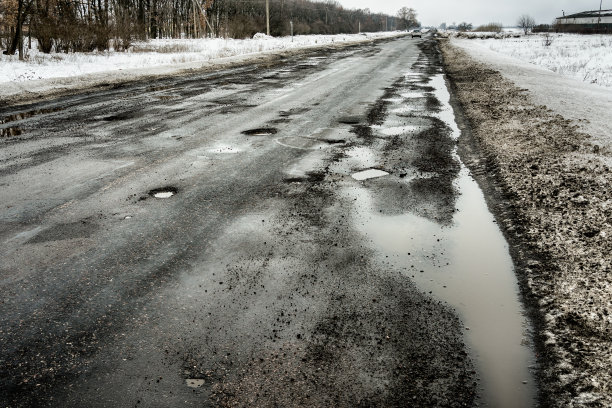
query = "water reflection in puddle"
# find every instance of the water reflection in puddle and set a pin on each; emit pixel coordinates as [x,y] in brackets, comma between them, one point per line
[369,174]
[468,266]
[410,95]
[397,130]
[445,114]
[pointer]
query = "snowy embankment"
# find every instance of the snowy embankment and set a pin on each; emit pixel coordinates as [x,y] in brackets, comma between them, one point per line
[154,53]
[586,58]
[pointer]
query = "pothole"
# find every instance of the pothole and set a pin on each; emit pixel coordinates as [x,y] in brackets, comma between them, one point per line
[10,131]
[369,174]
[260,132]
[334,141]
[163,192]
[350,120]
[310,177]
[119,117]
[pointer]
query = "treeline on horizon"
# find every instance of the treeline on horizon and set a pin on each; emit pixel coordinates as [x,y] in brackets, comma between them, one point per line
[88,25]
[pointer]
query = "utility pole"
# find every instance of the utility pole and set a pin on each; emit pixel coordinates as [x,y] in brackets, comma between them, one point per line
[291,23]
[599,17]
[268,16]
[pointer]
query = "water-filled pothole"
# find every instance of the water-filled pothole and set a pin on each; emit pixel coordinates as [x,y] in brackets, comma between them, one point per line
[310,177]
[369,174]
[350,120]
[334,141]
[260,132]
[10,131]
[119,117]
[163,192]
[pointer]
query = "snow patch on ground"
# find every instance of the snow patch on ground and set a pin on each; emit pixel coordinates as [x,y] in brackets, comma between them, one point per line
[586,58]
[588,105]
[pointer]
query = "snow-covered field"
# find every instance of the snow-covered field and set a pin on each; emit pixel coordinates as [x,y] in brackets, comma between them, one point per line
[156,53]
[587,58]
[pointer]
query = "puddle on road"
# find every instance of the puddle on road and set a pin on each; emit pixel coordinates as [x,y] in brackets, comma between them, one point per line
[350,120]
[369,174]
[412,95]
[468,266]
[398,130]
[446,113]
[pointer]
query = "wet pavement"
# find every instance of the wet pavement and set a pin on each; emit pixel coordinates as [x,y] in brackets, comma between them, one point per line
[298,234]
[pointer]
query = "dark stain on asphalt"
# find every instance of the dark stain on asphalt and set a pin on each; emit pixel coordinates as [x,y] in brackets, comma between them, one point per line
[120,116]
[77,229]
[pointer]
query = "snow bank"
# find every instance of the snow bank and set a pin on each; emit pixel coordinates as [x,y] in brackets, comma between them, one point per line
[156,53]
[584,57]
[588,105]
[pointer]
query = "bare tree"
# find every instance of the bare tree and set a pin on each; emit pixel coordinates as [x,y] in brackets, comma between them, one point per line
[526,23]
[407,18]
[465,26]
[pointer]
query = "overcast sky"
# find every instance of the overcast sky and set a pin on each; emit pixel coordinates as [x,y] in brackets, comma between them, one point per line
[434,12]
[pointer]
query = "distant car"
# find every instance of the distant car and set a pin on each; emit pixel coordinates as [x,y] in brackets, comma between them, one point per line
[415,33]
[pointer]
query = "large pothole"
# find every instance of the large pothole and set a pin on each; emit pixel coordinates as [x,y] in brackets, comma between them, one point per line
[267,131]
[163,192]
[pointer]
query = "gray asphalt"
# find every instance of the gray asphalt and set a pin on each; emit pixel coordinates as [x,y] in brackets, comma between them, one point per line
[251,285]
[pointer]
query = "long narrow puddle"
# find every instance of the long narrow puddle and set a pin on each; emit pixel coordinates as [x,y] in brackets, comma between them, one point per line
[466,264]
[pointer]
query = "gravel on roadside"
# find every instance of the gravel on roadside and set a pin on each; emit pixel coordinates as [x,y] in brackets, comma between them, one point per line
[550,190]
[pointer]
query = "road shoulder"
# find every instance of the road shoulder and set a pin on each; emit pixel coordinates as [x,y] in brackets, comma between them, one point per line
[549,188]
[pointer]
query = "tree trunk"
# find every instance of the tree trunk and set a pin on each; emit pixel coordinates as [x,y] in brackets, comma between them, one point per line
[16,41]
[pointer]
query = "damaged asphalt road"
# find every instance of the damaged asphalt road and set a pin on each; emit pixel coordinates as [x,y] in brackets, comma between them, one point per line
[192,243]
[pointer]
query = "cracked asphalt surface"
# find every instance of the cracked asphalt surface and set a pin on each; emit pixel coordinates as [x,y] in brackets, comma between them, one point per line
[250,285]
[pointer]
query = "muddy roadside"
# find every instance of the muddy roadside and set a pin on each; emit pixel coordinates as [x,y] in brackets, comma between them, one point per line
[549,189]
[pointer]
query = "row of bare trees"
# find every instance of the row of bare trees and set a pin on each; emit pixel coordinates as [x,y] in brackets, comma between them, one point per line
[87,25]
